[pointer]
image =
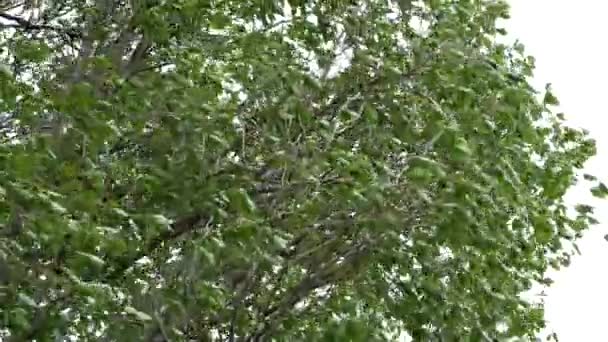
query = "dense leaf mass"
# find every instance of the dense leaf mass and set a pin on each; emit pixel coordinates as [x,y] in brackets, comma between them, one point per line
[260,170]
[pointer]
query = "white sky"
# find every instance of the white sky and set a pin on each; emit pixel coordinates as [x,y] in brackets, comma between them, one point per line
[569,43]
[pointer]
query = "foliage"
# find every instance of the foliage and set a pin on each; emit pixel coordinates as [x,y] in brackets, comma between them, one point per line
[256,170]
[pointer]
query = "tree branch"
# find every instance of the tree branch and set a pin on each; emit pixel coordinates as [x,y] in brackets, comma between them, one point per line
[178,229]
[21,23]
[327,275]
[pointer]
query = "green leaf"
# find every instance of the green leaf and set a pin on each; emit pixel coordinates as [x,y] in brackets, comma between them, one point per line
[58,207]
[240,198]
[141,316]
[208,255]
[161,220]
[120,212]
[27,300]
[550,98]
[92,258]
[584,209]
[371,114]
[219,21]
[589,177]
[462,146]
[600,190]
[279,241]
[19,317]
[424,169]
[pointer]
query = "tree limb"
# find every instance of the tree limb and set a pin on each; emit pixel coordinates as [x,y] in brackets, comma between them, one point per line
[24,24]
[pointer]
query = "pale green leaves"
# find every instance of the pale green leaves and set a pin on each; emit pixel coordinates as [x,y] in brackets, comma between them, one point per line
[462,148]
[92,258]
[219,21]
[425,170]
[209,256]
[27,300]
[5,71]
[139,315]
[161,220]
[241,201]
[280,242]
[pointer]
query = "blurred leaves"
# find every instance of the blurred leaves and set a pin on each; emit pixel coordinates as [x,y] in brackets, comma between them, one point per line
[261,170]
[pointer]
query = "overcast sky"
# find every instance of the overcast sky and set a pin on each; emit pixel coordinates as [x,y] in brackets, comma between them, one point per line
[568,39]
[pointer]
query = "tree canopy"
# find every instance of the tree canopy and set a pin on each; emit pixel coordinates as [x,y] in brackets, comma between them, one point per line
[256,170]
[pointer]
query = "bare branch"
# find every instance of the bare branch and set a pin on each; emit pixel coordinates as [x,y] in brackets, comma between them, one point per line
[24,24]
[329,274]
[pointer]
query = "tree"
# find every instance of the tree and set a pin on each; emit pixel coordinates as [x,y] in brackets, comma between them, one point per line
[257,170]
